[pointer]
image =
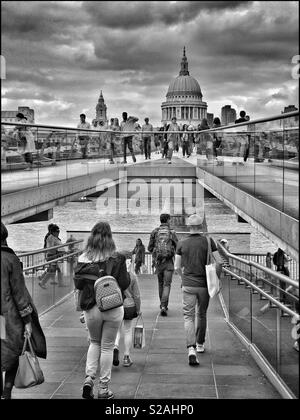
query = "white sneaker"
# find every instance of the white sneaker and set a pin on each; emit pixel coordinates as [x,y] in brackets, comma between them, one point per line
[193,360]
[200,348]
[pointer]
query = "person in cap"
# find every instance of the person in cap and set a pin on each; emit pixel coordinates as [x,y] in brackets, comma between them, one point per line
[225,244]
[190,261]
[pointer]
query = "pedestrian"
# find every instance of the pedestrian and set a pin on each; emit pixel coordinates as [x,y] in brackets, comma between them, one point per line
[25,140]
[100,257]
[52,240]
[139,252]
[125,330]
[190,261]
[20,317]
[217,140]
[83,138]
[280,260]
[242,118]
[164,147]
[206,139]
[113,128]
[128,124]
[162,245]
[147,138]
[185,141]
[173,139]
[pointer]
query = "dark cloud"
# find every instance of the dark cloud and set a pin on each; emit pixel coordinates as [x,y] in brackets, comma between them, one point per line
[61,54]
[137,14]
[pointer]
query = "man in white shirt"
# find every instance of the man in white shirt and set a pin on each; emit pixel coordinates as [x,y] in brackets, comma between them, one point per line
[147,138]
[83,139]
[128,124]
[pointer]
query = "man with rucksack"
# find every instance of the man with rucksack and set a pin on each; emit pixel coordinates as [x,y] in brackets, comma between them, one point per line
[162,245]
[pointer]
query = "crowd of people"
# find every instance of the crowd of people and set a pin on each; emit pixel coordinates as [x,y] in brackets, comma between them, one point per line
[106,327]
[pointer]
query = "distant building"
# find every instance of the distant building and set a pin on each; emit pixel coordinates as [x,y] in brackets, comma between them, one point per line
[10,116]
[292,121]
[101,111]
[210,119]
[184,99]
[228,115]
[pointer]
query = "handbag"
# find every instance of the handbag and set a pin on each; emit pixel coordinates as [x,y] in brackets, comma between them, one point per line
[213,282]
[29,372]
[129,307]
[139,333]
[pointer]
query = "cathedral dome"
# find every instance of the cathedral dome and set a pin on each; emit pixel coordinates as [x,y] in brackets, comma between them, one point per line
[184,85]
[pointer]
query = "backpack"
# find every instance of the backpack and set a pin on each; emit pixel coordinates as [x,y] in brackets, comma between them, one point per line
[164,247]
[275,258]
[108,294]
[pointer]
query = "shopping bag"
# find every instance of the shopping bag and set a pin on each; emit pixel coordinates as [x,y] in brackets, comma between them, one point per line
[76,299]
[139,334]
[212,279]
[29,372]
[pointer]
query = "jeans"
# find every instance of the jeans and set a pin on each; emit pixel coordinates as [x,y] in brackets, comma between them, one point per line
[170,150]
[192,298]
[103,328]
[128,142]
[164,286]
[185,148]
[126,329]
[147,147]
[50,274]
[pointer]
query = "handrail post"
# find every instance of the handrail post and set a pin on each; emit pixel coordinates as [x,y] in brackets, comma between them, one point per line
[251,312]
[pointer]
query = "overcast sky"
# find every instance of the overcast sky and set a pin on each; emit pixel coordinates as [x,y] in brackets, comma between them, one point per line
[59,55]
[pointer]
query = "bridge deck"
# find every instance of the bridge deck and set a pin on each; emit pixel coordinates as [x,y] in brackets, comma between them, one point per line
[160,370]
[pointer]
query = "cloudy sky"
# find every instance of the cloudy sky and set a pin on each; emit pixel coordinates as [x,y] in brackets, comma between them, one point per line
[59,55]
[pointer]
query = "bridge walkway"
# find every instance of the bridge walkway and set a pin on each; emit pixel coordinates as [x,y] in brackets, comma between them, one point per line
[160,370]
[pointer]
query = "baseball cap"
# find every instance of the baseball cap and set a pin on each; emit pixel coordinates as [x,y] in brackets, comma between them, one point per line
[194,220]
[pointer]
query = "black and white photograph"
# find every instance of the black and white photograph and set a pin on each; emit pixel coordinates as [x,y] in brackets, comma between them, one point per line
[150,203]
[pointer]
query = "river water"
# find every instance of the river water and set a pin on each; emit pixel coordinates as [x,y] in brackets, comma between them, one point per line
[83,215]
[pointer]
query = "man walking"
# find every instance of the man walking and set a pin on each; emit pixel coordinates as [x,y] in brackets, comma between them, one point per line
[173,139]
[147,138]
[191,255]
[83,139]
[162,245]
[128,124]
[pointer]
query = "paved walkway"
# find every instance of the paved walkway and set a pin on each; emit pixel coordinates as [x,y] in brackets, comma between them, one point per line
[161,369]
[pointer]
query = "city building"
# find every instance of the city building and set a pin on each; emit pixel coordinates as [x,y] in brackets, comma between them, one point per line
[292,121]
[184,99]
[228,115]
[10,116]
[101,111]
[210,119]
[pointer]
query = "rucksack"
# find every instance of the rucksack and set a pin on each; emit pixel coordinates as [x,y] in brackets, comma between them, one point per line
[275,258]
[164,247]
[108,294]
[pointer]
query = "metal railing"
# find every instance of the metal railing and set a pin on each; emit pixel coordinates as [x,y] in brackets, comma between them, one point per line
[263,305]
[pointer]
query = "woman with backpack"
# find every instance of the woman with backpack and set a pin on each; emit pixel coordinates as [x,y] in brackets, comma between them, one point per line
[132,306]
[100,259]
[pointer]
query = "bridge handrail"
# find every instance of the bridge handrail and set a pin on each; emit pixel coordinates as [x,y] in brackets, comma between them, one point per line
[44,250]
[66,256]
[257,121]
[267,270]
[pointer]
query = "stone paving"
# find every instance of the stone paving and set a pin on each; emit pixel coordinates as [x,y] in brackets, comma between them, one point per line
[160,370]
